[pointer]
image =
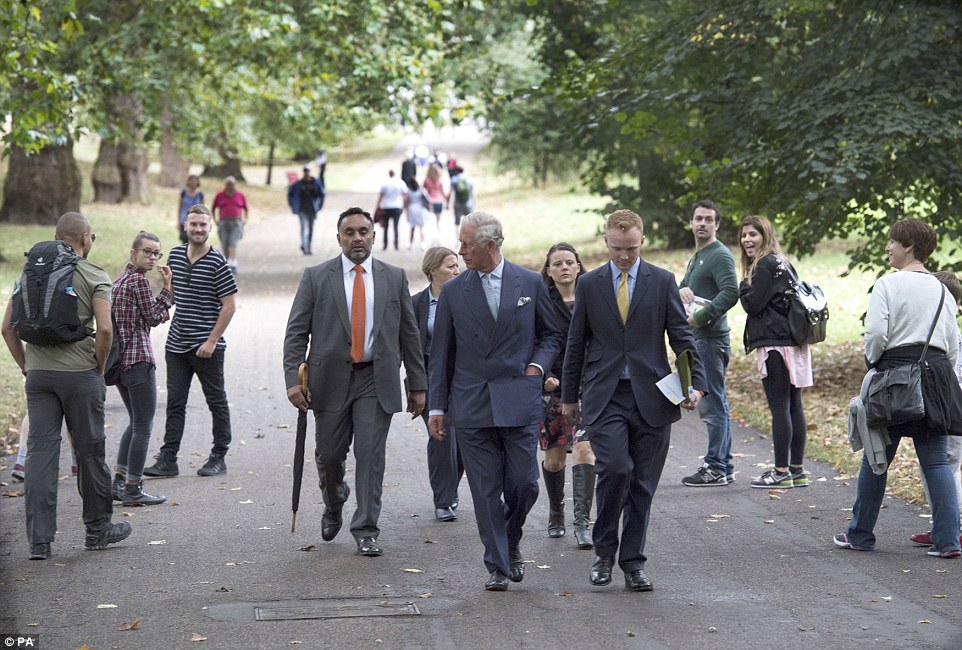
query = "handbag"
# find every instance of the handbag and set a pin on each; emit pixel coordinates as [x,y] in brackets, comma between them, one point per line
[807,310]
[380,217]
[895,395]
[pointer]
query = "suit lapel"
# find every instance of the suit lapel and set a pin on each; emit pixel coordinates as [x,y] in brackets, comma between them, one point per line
[380,295]
[642,282]
[336,285]
[608,294]
[510,292]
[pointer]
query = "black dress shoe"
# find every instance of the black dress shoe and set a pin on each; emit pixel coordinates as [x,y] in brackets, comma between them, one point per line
[497,582]
[330,525]
[517,564]
[601,570]
[368,547]
[445,514]
[637,581]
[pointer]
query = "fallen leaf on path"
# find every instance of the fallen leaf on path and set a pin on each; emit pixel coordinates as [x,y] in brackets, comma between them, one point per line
[886,598]
[939,596]
[720,516]
[157,542]
[106,606]
[128,514]
[245,502]
[127,627]
[295,642]
[33,624]
[425,595]
[774,497]
[413,571]
[283,426]
[386,602]
[197,637]
[567,593]
[429,541]
[924,621]
[309,547]
[13,493]
[223,590]
[544,566]
[769,521]
[265,528]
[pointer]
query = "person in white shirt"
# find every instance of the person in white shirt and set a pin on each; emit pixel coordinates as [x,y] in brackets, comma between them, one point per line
[391,201]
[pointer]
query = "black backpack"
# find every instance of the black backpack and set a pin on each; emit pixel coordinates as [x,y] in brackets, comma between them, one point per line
[45,306]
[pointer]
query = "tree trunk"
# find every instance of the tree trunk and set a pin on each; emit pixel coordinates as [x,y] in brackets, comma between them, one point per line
[229,166]
[544,169]
[40,188]
[270,163]
[174,168]
[120,173]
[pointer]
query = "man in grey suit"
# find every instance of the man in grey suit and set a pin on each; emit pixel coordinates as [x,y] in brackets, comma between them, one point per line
[355,314]
[495,333]
[616,344]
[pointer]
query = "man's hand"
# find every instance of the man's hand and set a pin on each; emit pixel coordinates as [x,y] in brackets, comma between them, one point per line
[436,427]
[692,401]
[416,399]
[206,350]
[572,413]
[687,295]
[166,276]
[550,384]
[300,397]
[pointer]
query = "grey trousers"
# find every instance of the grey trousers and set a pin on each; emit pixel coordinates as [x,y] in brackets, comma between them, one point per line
[363,422]
[77,398]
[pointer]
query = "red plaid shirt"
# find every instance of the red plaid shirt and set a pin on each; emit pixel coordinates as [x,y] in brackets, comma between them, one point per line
[136,310]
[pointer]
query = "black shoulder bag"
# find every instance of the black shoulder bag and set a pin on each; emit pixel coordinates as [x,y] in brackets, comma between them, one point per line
[895,395]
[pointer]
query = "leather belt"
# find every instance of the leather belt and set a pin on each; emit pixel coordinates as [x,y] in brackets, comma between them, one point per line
[361,365]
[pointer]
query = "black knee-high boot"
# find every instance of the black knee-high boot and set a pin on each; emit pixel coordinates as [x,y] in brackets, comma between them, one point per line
[583,491]
[554,483]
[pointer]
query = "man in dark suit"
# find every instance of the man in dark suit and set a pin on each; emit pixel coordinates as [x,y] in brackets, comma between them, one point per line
[355,313]
[616,345]
[495,333]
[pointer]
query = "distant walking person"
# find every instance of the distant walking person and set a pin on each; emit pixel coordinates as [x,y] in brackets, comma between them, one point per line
[434,189]
[391,200]
[229,211]
[414,203]
[136,311]
[306,198]
[205,298]
[189,197]
[462,190]
[616,345]
[65,382]
[785,368]
[352,321]
[445,467]
[708,290]
[495,336]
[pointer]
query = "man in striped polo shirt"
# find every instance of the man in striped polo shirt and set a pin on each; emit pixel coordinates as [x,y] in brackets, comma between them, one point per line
[204,295]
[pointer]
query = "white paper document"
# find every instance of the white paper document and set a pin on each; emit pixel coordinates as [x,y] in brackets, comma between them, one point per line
[670,387]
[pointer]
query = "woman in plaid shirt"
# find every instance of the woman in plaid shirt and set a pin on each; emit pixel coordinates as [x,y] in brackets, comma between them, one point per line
[135,310]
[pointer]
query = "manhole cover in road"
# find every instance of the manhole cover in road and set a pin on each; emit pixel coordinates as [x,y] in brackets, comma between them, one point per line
[319,608]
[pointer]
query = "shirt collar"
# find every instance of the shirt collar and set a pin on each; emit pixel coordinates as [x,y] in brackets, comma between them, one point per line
[632,272]
[347,265]
[498,271]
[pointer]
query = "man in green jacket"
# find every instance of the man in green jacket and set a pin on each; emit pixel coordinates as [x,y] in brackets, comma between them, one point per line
[709,290]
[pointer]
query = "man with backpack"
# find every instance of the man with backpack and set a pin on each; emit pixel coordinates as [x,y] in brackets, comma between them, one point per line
[64,364]
[462,189]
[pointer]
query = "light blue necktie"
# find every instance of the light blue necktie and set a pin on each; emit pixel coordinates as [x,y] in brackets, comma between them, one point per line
[490,294]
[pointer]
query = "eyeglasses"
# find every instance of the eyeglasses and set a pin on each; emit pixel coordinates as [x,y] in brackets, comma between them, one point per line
[151,253]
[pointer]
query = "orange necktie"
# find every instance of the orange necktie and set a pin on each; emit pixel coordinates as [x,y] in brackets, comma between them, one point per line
[358,311]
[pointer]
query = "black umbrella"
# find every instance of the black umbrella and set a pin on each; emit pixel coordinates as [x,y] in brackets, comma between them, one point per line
[299,450]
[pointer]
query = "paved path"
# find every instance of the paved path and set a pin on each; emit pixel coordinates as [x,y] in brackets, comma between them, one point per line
[733,567]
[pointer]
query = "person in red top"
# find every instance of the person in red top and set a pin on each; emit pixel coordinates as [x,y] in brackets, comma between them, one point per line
[230,215]
[135,311]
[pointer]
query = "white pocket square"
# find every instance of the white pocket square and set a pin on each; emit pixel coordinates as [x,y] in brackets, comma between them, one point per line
[523,300]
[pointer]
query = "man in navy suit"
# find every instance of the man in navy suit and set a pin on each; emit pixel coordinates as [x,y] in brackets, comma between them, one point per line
[616,345]
[495,333]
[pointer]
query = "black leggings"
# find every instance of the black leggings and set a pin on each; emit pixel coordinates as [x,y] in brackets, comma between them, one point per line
[788,417]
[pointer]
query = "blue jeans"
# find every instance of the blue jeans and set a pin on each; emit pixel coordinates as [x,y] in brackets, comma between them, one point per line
[307,229]
[715,354]
[945,509]
[138,389]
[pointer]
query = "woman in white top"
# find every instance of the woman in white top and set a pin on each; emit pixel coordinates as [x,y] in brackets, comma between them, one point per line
[900,313]
[391,200]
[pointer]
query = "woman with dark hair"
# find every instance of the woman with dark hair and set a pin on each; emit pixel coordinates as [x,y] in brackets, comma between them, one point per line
[561,270]
[785,368]
[135,311]
[415,208]
[445,468]
[897,324]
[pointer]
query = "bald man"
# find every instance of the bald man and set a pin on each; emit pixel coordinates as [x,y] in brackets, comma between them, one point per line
[65,382]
